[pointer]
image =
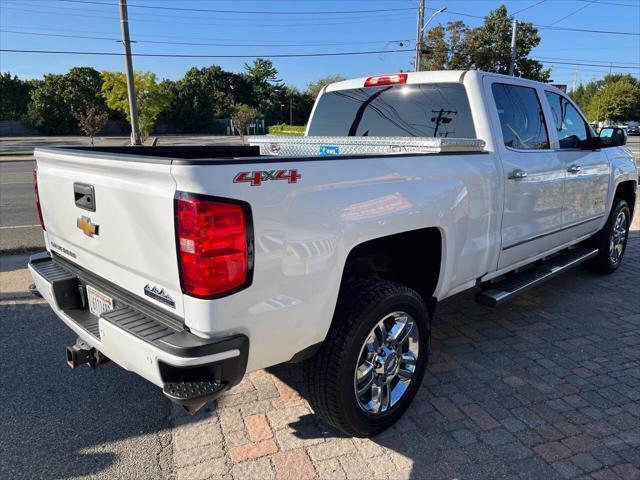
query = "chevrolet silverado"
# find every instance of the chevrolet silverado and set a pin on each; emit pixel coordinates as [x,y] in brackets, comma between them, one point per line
[192,265]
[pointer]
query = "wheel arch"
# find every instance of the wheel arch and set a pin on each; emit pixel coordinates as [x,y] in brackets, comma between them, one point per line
[412,258]
[626,190]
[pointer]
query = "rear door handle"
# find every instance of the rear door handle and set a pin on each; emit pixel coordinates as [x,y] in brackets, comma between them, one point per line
[575,168]
[517,174]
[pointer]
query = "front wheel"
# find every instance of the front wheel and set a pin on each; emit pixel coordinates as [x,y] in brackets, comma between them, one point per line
[372,362]
[611,241]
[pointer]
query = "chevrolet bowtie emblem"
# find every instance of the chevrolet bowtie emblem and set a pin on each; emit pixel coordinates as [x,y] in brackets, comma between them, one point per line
[88,228]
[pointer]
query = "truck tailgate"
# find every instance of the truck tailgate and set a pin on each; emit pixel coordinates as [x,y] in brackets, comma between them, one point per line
[127,236]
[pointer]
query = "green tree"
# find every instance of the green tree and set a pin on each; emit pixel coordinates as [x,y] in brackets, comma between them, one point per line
[583,94]
[622,100]
[266,90]
[487,47]
[313,88]
[204,94]
[15,97]
[152,97]
[619,100]
[450,47]
[55,100]
[242,117]
[262,70]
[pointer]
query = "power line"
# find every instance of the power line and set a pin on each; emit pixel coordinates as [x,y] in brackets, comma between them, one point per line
[637,5]
[587,64]
[604,62]
[527,8]
[545,27]
[171,19]
[279,55]
[236,41]
[158,42]
[584,30]
[348,22]
[218,17]
[325,12]
[181,55]
[573,13]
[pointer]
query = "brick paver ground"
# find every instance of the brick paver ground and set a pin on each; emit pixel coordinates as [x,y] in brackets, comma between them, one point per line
[546,387]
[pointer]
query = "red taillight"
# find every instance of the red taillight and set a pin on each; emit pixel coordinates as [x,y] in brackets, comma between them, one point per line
[35,188]
[213,245]
[386,80]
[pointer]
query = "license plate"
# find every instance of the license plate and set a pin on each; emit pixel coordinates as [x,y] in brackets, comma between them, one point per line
[98,301]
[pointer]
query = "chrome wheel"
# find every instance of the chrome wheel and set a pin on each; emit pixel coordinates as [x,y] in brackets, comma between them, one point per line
[618,237]
[386,363]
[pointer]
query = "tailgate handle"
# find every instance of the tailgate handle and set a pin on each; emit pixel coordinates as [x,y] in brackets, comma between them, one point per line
[84,196]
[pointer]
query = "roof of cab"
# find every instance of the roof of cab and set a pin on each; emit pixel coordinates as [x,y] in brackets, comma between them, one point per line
[432,76]
[439,76]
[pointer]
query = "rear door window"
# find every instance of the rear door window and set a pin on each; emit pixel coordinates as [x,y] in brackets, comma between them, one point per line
[571,127]
[421,110]
[521,117]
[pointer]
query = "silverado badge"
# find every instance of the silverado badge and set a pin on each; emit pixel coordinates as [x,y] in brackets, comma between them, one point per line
[88,228]
[159,294]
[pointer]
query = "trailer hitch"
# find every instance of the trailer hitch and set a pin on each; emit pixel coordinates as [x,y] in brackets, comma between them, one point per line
[81,353]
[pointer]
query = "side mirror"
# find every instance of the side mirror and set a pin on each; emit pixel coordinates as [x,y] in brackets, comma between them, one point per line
[613,137]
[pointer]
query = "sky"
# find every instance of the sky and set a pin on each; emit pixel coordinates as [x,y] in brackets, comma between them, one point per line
[276,27]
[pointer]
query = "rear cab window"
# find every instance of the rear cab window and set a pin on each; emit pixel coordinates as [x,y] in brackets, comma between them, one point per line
[407,110]
[521,117]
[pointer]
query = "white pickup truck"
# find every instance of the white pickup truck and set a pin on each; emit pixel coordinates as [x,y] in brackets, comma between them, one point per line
[194,265]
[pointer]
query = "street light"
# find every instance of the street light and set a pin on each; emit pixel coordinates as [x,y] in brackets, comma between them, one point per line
[420,33]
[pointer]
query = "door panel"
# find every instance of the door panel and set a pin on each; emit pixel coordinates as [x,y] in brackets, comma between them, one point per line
[533,204]
[587,179]
[533,175]
[586,186]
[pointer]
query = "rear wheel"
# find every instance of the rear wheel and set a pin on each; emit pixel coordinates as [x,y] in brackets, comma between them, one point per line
[611,241]
[373,359]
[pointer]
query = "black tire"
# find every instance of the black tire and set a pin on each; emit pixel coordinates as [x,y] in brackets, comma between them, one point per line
[603,263]
[329,375]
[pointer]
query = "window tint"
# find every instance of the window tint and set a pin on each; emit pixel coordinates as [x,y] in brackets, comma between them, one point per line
[571,127]
[426,110]
[521,117]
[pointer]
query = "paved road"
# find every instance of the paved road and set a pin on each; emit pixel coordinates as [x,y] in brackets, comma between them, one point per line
[59,423]
[31,142]
[547,386]
[19,225]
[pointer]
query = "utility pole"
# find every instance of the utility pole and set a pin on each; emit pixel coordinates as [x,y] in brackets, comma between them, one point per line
[514,32]
[574,84]
[131,88]
[290,110]
[419,37]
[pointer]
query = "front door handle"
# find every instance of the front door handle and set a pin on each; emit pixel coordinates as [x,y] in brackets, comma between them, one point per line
[517,174]
[575,168]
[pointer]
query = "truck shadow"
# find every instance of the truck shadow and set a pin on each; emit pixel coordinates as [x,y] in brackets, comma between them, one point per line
[497,383]
[59,423]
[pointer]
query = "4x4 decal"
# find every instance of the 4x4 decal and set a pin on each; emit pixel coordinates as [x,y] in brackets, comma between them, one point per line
[257,177]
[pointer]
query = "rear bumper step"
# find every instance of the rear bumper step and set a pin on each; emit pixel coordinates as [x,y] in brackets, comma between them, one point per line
[191,370]
[514,284]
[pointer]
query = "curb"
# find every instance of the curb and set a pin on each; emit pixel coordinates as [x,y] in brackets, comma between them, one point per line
[21,250]
[26,158]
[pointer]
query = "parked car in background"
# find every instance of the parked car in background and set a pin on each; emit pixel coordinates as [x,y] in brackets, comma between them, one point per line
[633,128]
